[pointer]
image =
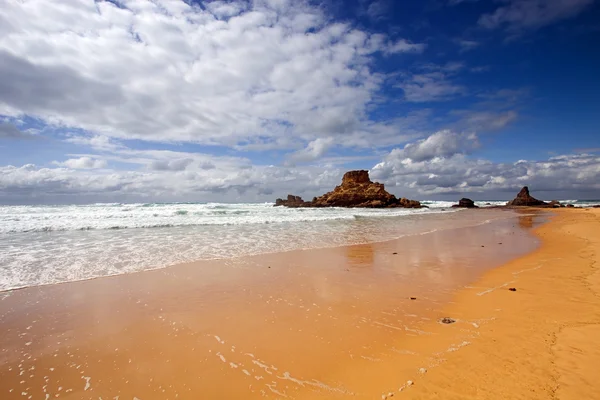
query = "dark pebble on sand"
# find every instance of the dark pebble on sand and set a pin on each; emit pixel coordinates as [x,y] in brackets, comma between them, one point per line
[512,289]
[394,253]
[447,320]
[413,298]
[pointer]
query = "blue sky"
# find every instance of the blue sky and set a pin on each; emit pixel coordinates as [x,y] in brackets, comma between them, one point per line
[168,100]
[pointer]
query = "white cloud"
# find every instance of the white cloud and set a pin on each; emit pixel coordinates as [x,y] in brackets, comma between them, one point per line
[231,184]
[439,165]
[404,46]
[313,151]
[374,9]
[520,15]
[441,144]
[82,163]
[233,73]
[481,121]
[430,86]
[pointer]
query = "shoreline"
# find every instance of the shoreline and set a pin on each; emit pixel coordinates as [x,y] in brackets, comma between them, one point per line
[519,211]
[356,294]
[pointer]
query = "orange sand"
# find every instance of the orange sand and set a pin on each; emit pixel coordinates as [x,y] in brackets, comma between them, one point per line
[330,323]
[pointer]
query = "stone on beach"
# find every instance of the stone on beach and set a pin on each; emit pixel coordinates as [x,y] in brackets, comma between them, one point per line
[447,320]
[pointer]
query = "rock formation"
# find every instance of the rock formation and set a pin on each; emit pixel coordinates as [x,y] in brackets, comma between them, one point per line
[292,201]
[356,190]
[465,203]
[525,199]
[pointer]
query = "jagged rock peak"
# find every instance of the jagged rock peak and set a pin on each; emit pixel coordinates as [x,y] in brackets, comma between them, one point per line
[525,199]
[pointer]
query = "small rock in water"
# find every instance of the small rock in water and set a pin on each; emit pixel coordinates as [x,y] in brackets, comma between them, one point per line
[447,320]
[512,289]
[422,370]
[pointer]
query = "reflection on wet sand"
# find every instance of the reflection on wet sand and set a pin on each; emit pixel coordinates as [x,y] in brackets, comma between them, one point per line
[302,324]
[526,221]
[361,255]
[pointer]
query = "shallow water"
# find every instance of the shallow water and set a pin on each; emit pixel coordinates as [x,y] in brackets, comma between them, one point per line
[52,244]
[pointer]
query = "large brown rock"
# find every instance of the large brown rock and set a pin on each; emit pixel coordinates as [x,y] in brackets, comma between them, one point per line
[292,201]
[356,190]
[465,203]
[525,199]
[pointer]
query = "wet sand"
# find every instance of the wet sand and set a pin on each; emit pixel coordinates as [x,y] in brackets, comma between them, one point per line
[541,341]
[328,323]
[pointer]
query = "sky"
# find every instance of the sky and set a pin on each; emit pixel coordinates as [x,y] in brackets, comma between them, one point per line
[247,101]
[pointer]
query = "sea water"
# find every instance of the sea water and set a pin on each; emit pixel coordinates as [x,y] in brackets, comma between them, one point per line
[52,244]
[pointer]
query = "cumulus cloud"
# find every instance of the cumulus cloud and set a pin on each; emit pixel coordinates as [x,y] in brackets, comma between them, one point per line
[314,150]
[231,184]
[82,163]
[438,166]
[521,15]
[230,73]
[441,144]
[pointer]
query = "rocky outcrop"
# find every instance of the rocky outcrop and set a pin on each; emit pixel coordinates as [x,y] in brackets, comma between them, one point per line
[555,204]
[356,190]
[525,199]
[292,201]
[465,203]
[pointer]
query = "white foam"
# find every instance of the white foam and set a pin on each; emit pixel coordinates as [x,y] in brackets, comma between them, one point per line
[44,245]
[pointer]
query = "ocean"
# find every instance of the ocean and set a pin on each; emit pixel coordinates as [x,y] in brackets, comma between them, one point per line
[42,245]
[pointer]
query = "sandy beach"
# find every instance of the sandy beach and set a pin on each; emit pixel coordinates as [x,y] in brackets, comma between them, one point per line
[540,342]
[347,322]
